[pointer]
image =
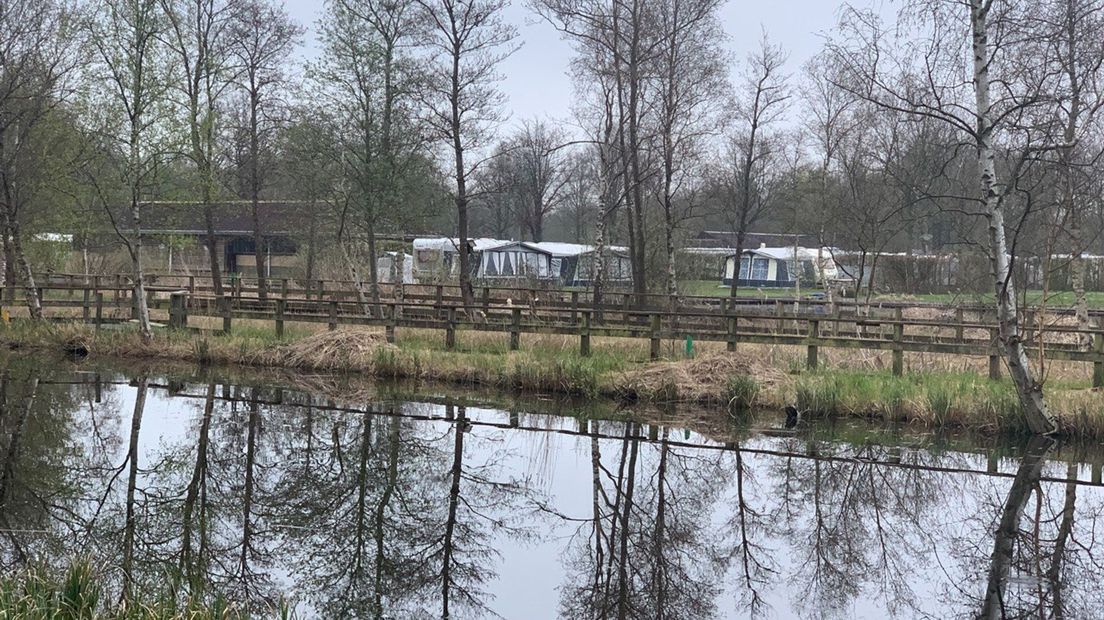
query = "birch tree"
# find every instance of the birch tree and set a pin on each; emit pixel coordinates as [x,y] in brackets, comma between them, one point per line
[130,73]
[38,53]
[926,78]
[465,41]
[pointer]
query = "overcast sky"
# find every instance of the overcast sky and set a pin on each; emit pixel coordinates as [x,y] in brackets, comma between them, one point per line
[535,77]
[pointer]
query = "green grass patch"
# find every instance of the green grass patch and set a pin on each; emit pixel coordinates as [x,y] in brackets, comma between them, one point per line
[941,400]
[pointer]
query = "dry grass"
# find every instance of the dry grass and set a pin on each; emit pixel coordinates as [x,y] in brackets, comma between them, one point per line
[706,378]
[340,350]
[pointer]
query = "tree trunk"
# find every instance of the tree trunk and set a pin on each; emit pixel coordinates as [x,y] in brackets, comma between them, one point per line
[1029,389]
[740,235]
[312,233]
[9,265]
[455,476]
[131,523]
[212,244]
[23,267]
[1004,539]
[139,285]
[259,248]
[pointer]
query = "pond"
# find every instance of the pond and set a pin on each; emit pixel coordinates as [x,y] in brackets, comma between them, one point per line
[420,503]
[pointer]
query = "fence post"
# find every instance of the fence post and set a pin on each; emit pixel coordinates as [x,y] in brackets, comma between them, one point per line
[515,329]
[450,329]
[730,327]
[584,335]
[439,301]
[86,309]
[284,288]
[389,329]
[281,308]
[227,317]
[486,299]
[1098,363]
[178,312]
[191,284]
[656,321]
[99,309]
[574,306]
[898,336]
[811,355]
[779,311]
[959,319]
[994,358]
[333,316]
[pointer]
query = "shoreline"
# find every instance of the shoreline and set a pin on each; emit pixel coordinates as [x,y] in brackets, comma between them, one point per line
[727,384]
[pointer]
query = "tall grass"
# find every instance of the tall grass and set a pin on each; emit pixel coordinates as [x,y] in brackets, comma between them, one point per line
[79,594]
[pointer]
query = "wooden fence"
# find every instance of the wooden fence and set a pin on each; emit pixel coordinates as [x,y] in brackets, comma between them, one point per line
[291,288]
[812,326]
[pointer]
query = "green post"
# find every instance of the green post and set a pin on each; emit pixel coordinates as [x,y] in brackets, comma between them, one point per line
[689,346]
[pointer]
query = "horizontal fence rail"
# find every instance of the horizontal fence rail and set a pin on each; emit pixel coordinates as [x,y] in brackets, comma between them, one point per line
[518,312]
[299,288]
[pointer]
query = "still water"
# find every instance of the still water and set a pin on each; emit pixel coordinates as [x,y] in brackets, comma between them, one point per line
[414,506]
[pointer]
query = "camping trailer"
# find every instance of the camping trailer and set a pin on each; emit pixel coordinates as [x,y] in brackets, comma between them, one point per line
[766,267]
[563,264]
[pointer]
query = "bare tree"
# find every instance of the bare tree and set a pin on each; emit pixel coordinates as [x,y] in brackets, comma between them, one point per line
[262,37]
[1077,33]
[527,175]
[621,41]
[751,150]
[465,42]
[691,81]
[37,54]
[197,33]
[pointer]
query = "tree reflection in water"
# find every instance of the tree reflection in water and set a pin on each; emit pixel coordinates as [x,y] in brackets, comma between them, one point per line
[416,510]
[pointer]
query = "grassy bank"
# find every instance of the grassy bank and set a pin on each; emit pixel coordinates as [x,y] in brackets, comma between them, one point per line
[80,593]
[929,395]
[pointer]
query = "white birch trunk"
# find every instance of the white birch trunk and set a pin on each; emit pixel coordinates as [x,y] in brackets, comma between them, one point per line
[1028,388]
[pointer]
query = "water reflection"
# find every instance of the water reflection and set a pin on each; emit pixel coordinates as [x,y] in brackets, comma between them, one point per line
[405,509]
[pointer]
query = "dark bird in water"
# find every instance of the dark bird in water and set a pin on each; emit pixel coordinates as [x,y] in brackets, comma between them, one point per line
[792,416]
